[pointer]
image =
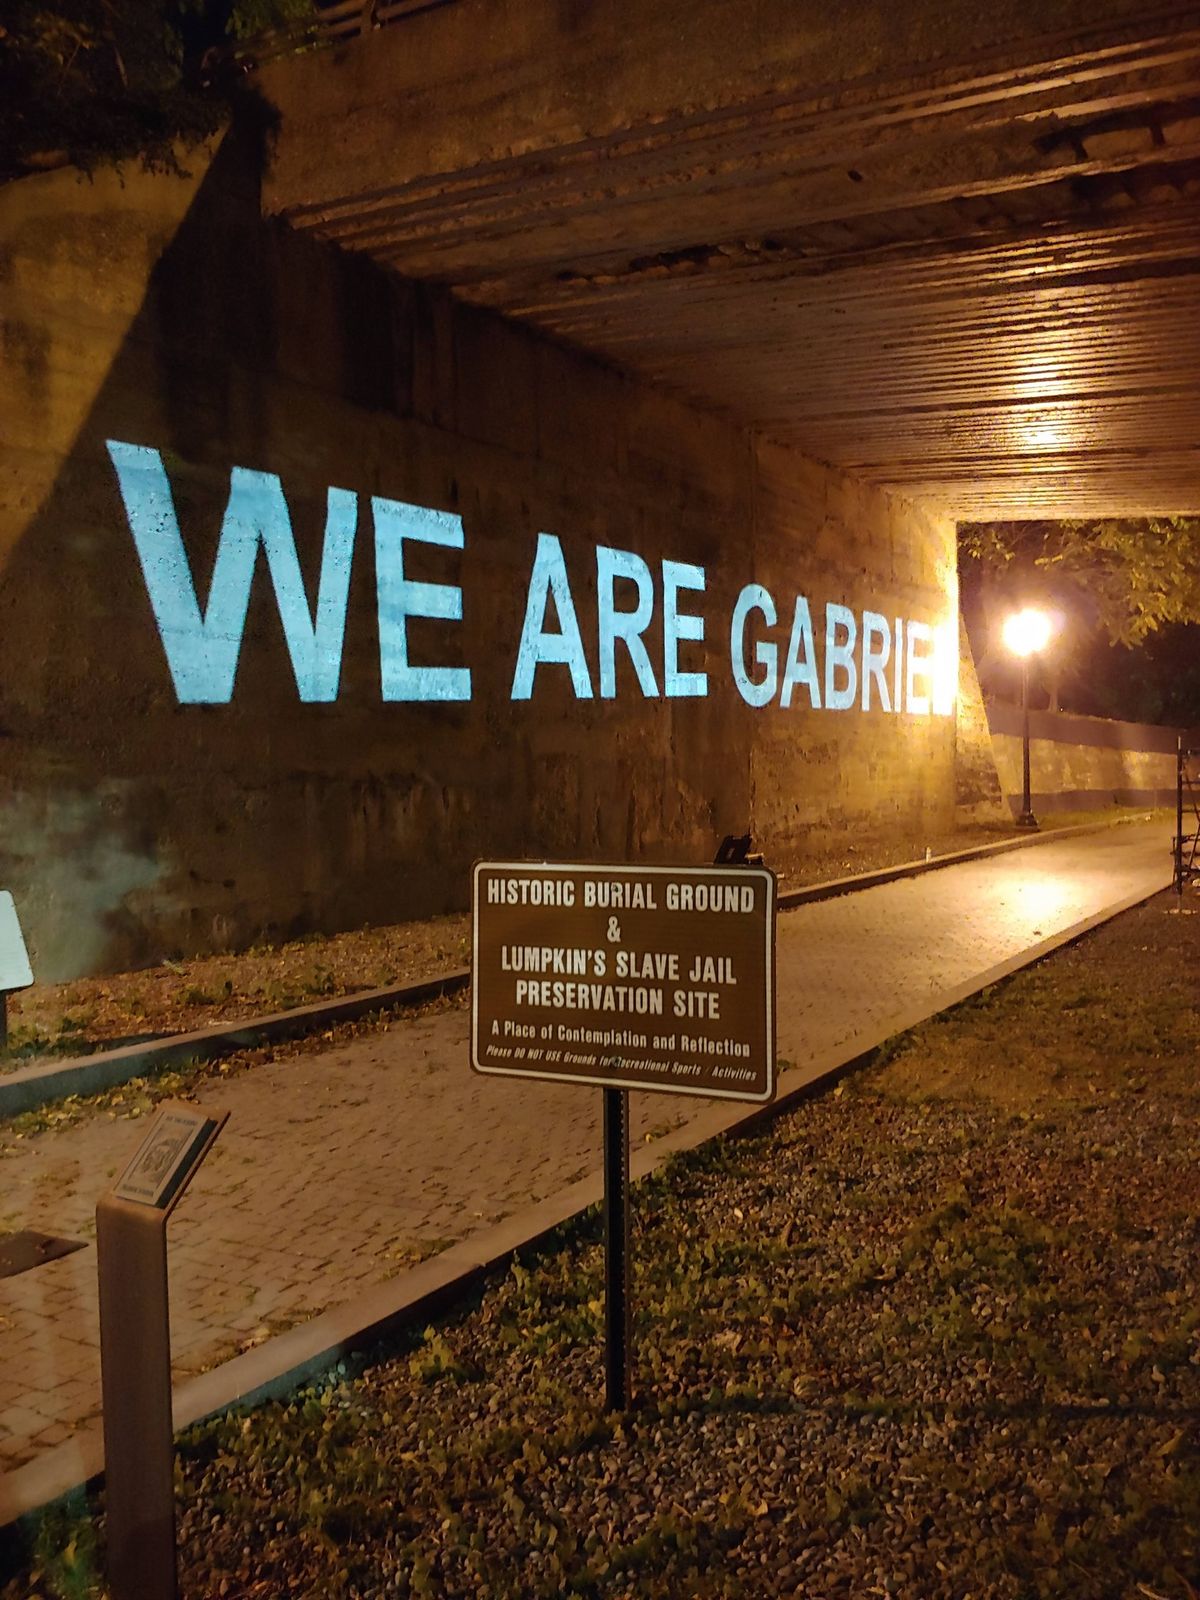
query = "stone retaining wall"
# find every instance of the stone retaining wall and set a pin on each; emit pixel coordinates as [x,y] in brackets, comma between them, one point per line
[140,816]
[1084,763]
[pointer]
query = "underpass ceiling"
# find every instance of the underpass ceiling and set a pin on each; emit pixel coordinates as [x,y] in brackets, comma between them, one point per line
[979,284]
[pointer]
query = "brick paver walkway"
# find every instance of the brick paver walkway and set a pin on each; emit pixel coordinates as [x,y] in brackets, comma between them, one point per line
[336,1168]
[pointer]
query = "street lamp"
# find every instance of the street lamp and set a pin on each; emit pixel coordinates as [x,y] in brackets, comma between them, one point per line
[1026,633]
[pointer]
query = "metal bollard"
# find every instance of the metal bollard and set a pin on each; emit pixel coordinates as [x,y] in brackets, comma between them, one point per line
[135,1350]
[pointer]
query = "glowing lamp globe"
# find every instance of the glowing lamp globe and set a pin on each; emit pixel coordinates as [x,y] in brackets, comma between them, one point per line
[1026,632]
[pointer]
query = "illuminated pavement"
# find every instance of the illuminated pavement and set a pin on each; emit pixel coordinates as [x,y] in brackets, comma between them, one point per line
[337,1169]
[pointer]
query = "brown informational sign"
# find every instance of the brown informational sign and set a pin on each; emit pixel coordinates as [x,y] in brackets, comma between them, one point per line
[626,977]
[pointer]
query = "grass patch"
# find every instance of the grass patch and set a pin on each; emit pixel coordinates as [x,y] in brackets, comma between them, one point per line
[934,1335]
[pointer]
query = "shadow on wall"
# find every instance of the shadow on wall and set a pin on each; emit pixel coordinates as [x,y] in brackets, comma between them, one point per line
[197,755]
[130,825]
[133,826]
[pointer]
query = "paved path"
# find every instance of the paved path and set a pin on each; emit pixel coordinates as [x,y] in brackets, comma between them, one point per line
[338,1169]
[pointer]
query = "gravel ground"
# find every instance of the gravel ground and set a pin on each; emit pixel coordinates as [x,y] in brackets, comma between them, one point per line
[934,1335]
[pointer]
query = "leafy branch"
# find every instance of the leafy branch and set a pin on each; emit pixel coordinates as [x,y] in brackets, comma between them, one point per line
[1129,577]
[83,82]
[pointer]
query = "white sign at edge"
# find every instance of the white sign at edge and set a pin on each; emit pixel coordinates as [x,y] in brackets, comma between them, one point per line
[15,971]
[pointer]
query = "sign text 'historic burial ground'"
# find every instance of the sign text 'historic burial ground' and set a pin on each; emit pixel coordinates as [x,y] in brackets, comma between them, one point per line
[626,977]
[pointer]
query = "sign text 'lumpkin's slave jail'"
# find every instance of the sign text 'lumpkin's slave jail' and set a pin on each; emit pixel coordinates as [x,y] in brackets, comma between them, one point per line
[626,977]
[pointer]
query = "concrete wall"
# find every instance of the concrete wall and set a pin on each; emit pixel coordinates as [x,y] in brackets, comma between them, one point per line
[1083,763]
[977,793]
[162,312]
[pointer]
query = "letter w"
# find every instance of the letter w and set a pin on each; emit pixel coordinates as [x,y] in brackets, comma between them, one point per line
[202,651]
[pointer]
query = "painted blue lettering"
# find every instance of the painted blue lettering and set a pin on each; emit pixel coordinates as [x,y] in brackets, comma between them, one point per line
[628,626]
[400,597]
[840,653]
[677,625]
[918,667]
[875,627]
[549,578]
[801,668]
[753,598]
[945,669]
[898,669]
[202,650]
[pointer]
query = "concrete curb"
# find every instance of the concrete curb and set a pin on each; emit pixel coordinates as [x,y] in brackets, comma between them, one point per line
[789,899]
[83,1075]
[36,1086]
[280,1365]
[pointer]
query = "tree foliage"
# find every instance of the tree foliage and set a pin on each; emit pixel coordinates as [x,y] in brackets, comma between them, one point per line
[1125,598]
[1124,577]
[1157,682]
[88,81]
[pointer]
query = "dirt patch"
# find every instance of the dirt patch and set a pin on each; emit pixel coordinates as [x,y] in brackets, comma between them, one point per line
[935,1334]
[179,996]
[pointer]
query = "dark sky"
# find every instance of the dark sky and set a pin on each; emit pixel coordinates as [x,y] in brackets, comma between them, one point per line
[1157,681]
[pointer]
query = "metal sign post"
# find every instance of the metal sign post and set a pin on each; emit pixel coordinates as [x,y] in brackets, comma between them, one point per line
[135,1350]
[658,978]
[617,1296]
[1179,821]
[139,1442]
[1185,847]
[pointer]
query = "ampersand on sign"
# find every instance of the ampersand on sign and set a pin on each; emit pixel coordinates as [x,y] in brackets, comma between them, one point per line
[614,931]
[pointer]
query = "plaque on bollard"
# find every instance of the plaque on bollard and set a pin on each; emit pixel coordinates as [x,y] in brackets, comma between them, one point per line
[174,1146]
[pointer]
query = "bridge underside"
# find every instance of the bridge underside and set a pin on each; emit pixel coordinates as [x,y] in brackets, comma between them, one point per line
[953,254]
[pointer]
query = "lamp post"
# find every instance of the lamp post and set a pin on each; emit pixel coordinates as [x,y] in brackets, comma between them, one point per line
[1026,633]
